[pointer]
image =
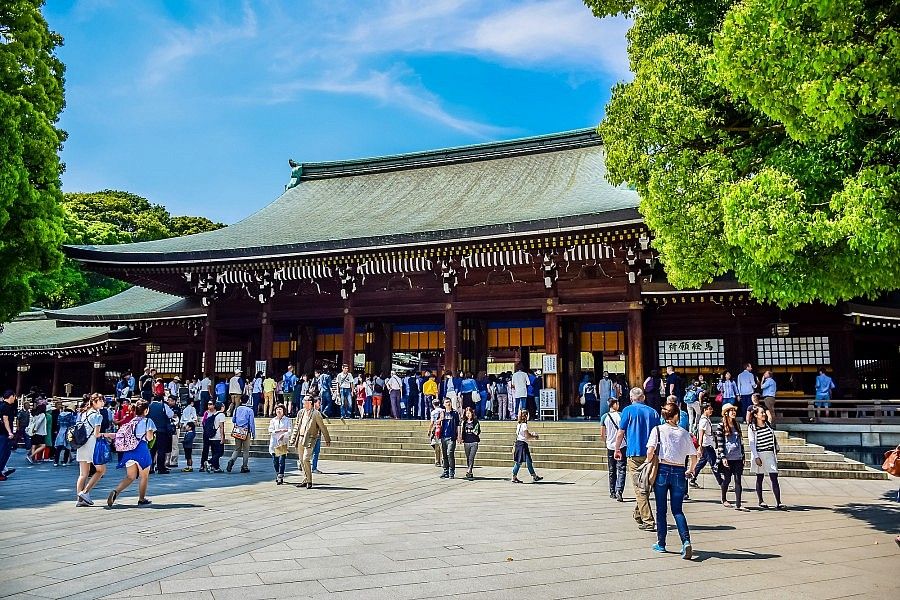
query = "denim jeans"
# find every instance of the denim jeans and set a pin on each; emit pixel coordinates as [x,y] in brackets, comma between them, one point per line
[326,403]
[709,456]
[346,403]
[217,449]
[521,403]
[315,457]
[670,480]
[6,445]
[279,463]
[528,465]
[448,450]
[616,470]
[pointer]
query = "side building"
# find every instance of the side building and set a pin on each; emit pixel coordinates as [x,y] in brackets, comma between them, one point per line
[473,258]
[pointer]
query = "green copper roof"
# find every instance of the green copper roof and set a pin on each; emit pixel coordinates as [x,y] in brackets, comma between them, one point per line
[133,304]
[31,332]
[537,185]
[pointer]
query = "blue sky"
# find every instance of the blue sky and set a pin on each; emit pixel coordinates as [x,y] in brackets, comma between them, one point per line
[199,105]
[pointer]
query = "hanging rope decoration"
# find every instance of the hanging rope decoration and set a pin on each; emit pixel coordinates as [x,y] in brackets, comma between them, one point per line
[549,269]
[449,279]
[347,280]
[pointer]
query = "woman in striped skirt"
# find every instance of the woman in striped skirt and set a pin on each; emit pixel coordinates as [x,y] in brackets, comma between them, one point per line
[764,455]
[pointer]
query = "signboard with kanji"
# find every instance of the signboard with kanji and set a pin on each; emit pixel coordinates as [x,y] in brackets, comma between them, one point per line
[688,346]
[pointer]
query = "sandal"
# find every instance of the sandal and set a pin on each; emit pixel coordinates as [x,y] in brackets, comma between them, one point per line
[111,499]
[516,480]
[763,506]
[727,504]
[781,507]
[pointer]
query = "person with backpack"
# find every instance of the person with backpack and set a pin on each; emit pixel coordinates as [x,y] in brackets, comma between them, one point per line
[707,446]
[730,453]
[692,404]
[377,395]
[587,395]
[214,430]
[672,445]
[288,383]
[86,436]
[60,445]
[210,413]
[609,428]
[37,430]
[132,441]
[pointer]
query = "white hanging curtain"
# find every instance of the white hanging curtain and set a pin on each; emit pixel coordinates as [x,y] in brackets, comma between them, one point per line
[395,264]
[496,258]
[316,271]
[589,252]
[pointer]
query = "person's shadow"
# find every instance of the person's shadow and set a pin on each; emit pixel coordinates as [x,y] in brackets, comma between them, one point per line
[739,555]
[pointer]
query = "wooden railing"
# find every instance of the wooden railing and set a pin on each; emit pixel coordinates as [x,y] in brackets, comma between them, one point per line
[872,412]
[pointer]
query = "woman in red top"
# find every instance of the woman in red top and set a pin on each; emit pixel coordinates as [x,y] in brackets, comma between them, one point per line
[159,390]
[124,413]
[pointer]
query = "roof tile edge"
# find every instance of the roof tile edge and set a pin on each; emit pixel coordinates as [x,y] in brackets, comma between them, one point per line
[578,138]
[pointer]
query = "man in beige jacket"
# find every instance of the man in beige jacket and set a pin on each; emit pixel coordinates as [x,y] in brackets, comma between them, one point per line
[308,425]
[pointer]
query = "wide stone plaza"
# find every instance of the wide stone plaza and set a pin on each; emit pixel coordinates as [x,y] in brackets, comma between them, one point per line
[381,531]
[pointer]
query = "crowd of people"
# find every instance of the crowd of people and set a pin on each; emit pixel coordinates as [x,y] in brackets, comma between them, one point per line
[662,433]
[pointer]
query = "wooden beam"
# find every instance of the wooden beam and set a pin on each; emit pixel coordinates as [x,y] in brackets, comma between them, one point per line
[451,338]
[594,308]
[348,338]
[634,342]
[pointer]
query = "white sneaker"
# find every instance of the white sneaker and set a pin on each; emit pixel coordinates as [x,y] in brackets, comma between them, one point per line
[86,498]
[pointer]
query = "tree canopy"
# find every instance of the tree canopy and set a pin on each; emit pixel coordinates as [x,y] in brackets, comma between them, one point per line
[764,138]
[106,217]
[31,99]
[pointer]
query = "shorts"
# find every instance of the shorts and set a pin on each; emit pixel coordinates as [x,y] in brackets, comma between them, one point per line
[376,400]
[822,401]
[769,464]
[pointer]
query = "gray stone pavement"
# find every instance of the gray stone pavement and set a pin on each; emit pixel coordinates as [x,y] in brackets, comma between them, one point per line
[395,531]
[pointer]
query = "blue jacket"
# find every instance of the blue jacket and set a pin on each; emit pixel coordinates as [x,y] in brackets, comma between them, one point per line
[442,387]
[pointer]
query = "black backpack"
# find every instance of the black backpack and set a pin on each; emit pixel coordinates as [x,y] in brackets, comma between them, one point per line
[209,426]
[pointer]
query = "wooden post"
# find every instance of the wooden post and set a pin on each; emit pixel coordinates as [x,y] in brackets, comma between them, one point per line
[635,346]
[451,339]
[551,346]
[348,338]
[210,340]
[266,338]
[20,376]
[95,377]
[54,386]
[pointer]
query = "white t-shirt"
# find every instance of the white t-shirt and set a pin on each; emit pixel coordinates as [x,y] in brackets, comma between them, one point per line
[189,414]
[674,443]
[520,383]
[705,425]
[612,429]
[204,384]
[219,421]
[521,432]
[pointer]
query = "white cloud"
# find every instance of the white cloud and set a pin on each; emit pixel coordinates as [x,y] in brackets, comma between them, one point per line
[181,44]
[388,88]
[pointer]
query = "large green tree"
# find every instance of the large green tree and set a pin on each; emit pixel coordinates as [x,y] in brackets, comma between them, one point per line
[764,138]
[106,217]
[31,99]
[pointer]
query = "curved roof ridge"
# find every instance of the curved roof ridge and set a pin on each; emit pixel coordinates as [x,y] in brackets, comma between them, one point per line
[576,138]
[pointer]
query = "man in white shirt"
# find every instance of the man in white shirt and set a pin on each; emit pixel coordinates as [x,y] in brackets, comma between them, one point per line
[520,385]
[609,427]
[205,390]
[345,389]
[173,387]
[235,391]
[395,390]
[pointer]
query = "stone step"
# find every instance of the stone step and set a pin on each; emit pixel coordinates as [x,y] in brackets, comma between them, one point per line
[865,474]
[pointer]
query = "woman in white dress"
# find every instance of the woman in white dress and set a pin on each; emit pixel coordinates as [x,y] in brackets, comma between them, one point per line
[279,428]
[90,412]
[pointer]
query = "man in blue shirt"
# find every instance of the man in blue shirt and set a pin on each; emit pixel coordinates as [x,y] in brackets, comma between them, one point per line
[768,389]
[243,417]
[636,423]
[824,385]
[746,383]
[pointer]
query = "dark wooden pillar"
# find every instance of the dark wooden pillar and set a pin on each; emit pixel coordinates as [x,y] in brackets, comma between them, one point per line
[551,346]
[348,338]
[635,344]
[54,386]
[451,339]
[842,344]
[267,338]
[210,341]
[383,357]
[306,349]
[20,380]
[96,378]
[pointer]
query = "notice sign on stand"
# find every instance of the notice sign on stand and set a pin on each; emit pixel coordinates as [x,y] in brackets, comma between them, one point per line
[547,403]
[260,367]
[550,364]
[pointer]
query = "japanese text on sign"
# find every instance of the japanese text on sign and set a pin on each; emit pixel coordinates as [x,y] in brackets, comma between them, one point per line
[687,346]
